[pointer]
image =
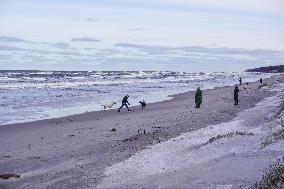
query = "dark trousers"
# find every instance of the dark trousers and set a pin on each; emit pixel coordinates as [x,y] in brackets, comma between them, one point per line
[124,104]
[197,105]
[236,100]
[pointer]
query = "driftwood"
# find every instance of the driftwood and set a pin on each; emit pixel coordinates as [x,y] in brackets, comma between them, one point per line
[7,176]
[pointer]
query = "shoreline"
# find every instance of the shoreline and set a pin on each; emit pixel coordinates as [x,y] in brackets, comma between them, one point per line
[170,97]
[79,105]
[69,149]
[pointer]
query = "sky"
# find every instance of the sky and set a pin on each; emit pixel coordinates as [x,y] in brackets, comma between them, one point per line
[174,35]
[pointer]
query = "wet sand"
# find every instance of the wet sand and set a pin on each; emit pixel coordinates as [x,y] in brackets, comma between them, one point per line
[74,151]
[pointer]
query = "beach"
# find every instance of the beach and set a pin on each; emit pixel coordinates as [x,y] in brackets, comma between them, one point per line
[137,149]
[36,95]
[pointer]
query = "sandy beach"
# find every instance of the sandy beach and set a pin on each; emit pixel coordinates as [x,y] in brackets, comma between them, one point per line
[82,151]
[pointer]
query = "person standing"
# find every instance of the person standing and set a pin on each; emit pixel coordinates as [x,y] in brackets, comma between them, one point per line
[240,80]
[260,81]
[236,95]
[124,103]
[198,98]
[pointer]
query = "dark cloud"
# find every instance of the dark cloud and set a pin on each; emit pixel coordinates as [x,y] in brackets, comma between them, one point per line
[140,46]
[89,19]
[85,39]
[226,50]
[137,29]
[198,49]
[39,51]
[13,39]
[62,45]
[9,48]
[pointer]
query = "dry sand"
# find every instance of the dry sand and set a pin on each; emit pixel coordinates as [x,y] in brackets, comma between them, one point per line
[75,151]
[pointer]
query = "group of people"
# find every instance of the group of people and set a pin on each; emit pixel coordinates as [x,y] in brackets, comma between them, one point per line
[198,98]
[198,94]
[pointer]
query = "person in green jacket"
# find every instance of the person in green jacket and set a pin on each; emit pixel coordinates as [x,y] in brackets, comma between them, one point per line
[198,98]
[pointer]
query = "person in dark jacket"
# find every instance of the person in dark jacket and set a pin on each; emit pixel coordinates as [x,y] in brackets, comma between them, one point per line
[124,103]
[236,95]
[198,98]
[240,80]
[260,81]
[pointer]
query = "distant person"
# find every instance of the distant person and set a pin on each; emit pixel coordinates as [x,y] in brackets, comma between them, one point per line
[260,81]
[198,97]
[240,80]
[124,103]
[236,95]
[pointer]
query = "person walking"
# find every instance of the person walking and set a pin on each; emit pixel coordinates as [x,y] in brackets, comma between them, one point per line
[236,95]
[240,80]
[124,103]
[198,98]
[260,81]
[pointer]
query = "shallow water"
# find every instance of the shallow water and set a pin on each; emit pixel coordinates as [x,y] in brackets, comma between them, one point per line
[34,95]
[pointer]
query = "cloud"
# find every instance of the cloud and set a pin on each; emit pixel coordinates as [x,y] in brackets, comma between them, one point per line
[134,56]
[85,39]
[214,58]
[62,45]
[13,39]
[9,48]
[200,49]
[137,29]
[41,51]
[266,6]
[140,46]
[89,19]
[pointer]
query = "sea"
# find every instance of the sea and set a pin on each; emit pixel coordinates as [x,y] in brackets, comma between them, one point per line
[34,95]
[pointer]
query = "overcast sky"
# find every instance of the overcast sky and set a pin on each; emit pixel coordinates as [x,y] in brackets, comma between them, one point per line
[183,35]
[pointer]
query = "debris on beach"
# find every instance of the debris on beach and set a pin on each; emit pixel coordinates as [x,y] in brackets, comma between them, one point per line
[157,127]
[8,176]
[70,119]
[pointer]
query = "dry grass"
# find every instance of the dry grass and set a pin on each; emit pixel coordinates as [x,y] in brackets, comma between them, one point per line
[273,136]
[280,109]
[273,177]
